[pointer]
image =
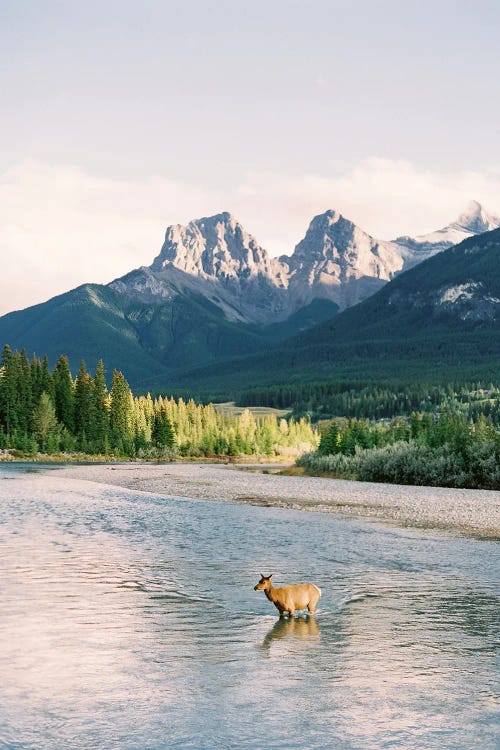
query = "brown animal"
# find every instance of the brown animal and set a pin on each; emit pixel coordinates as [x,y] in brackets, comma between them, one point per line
[290,598]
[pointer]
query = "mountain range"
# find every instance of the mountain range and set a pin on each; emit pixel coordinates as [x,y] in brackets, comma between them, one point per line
[217,259]
[214,294]
[438,322]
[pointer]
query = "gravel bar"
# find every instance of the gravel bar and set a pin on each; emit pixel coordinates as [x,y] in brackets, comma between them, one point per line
[475,512]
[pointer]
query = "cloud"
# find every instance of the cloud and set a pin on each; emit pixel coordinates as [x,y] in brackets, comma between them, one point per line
[61,226]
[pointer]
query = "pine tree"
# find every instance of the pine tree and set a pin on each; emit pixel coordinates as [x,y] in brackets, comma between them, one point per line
[45,421]
[64,393]
[121,415]
[84,404]
[47,382]
[100,429]
[36,380]
[330,441]
[8,392]
[24,392]
[163,434]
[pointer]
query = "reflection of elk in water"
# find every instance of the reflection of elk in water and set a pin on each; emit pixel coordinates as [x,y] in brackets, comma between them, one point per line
[296,627]
[290,598]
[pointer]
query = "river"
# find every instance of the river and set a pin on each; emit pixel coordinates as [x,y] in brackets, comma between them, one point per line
[129,622]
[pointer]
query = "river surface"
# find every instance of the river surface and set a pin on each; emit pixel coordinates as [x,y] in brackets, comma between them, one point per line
[129,622]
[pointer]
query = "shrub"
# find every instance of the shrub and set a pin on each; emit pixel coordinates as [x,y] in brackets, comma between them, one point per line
[476,467]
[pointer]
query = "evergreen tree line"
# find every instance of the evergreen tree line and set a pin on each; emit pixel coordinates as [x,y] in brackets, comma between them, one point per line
[327,400]
[445,449]
[49,411]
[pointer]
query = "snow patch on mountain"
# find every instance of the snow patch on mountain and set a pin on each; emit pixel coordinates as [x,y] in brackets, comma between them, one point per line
[459,292]
[468,301]
[474,220]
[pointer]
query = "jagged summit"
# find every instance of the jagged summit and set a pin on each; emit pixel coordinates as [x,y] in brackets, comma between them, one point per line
[216,258]
[476,220]
[214,246]
[473,220]
[339,261]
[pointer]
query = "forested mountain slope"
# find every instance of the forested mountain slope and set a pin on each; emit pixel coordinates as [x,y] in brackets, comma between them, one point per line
[438,320]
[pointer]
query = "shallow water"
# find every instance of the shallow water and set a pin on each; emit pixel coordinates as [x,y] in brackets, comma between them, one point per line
[129,621]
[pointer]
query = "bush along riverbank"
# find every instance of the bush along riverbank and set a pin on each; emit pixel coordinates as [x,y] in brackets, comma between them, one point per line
[445,450]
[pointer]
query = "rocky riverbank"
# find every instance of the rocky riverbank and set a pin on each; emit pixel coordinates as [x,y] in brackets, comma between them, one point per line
[468,511]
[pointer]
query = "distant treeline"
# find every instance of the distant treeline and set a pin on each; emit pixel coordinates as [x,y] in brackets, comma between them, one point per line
[381,401]
[445,449]
[49,411]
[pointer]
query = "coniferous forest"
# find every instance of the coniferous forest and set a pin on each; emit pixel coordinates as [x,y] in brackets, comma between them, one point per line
[47,411]
[408,434]
[384,400]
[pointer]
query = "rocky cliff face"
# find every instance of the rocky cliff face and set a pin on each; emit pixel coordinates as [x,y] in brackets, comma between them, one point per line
[215,258]
[217,247]
[338,261]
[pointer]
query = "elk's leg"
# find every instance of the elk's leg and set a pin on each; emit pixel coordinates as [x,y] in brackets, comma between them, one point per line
[291,612]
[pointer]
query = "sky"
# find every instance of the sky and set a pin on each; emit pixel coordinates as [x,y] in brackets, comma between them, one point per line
[120,118]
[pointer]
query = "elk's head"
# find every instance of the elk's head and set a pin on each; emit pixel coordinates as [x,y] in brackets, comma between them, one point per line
[264,584]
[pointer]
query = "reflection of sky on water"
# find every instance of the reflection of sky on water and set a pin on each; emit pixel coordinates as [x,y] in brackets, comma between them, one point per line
[79,649]
[131,622]
[409,666]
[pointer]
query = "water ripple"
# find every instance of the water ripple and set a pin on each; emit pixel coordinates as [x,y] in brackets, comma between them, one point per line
[131,622]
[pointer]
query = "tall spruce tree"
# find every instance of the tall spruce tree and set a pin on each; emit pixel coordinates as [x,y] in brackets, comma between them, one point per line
[47,382]
[64,393]
[24,392]
[100,429]
[163,434]
[84,404]
[36,379]
[44,421]
[8,392]
[121,414]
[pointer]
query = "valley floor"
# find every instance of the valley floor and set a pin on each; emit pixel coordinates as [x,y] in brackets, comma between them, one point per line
[475,512]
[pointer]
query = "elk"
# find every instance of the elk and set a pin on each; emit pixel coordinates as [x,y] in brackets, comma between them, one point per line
[290,598]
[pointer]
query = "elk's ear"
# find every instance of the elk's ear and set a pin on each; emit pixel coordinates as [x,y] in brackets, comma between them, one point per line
[262,575]
[269,577]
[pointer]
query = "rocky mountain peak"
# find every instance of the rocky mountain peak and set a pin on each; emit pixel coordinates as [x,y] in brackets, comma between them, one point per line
[476,220]
[328,232]
[216,258]
[472,221]
[338,261]
[216,247]
[329,235]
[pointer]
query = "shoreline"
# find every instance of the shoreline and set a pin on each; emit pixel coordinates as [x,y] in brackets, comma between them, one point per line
[470,512]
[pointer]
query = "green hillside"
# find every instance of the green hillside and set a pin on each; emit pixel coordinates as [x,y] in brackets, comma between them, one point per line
[145,341]
[85,323]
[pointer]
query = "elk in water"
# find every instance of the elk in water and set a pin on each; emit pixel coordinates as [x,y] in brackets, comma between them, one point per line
[290,598]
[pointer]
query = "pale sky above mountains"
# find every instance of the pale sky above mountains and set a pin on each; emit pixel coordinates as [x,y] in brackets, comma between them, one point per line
[119,118]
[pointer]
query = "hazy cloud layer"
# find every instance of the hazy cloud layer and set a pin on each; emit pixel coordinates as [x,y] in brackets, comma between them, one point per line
[60,226]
